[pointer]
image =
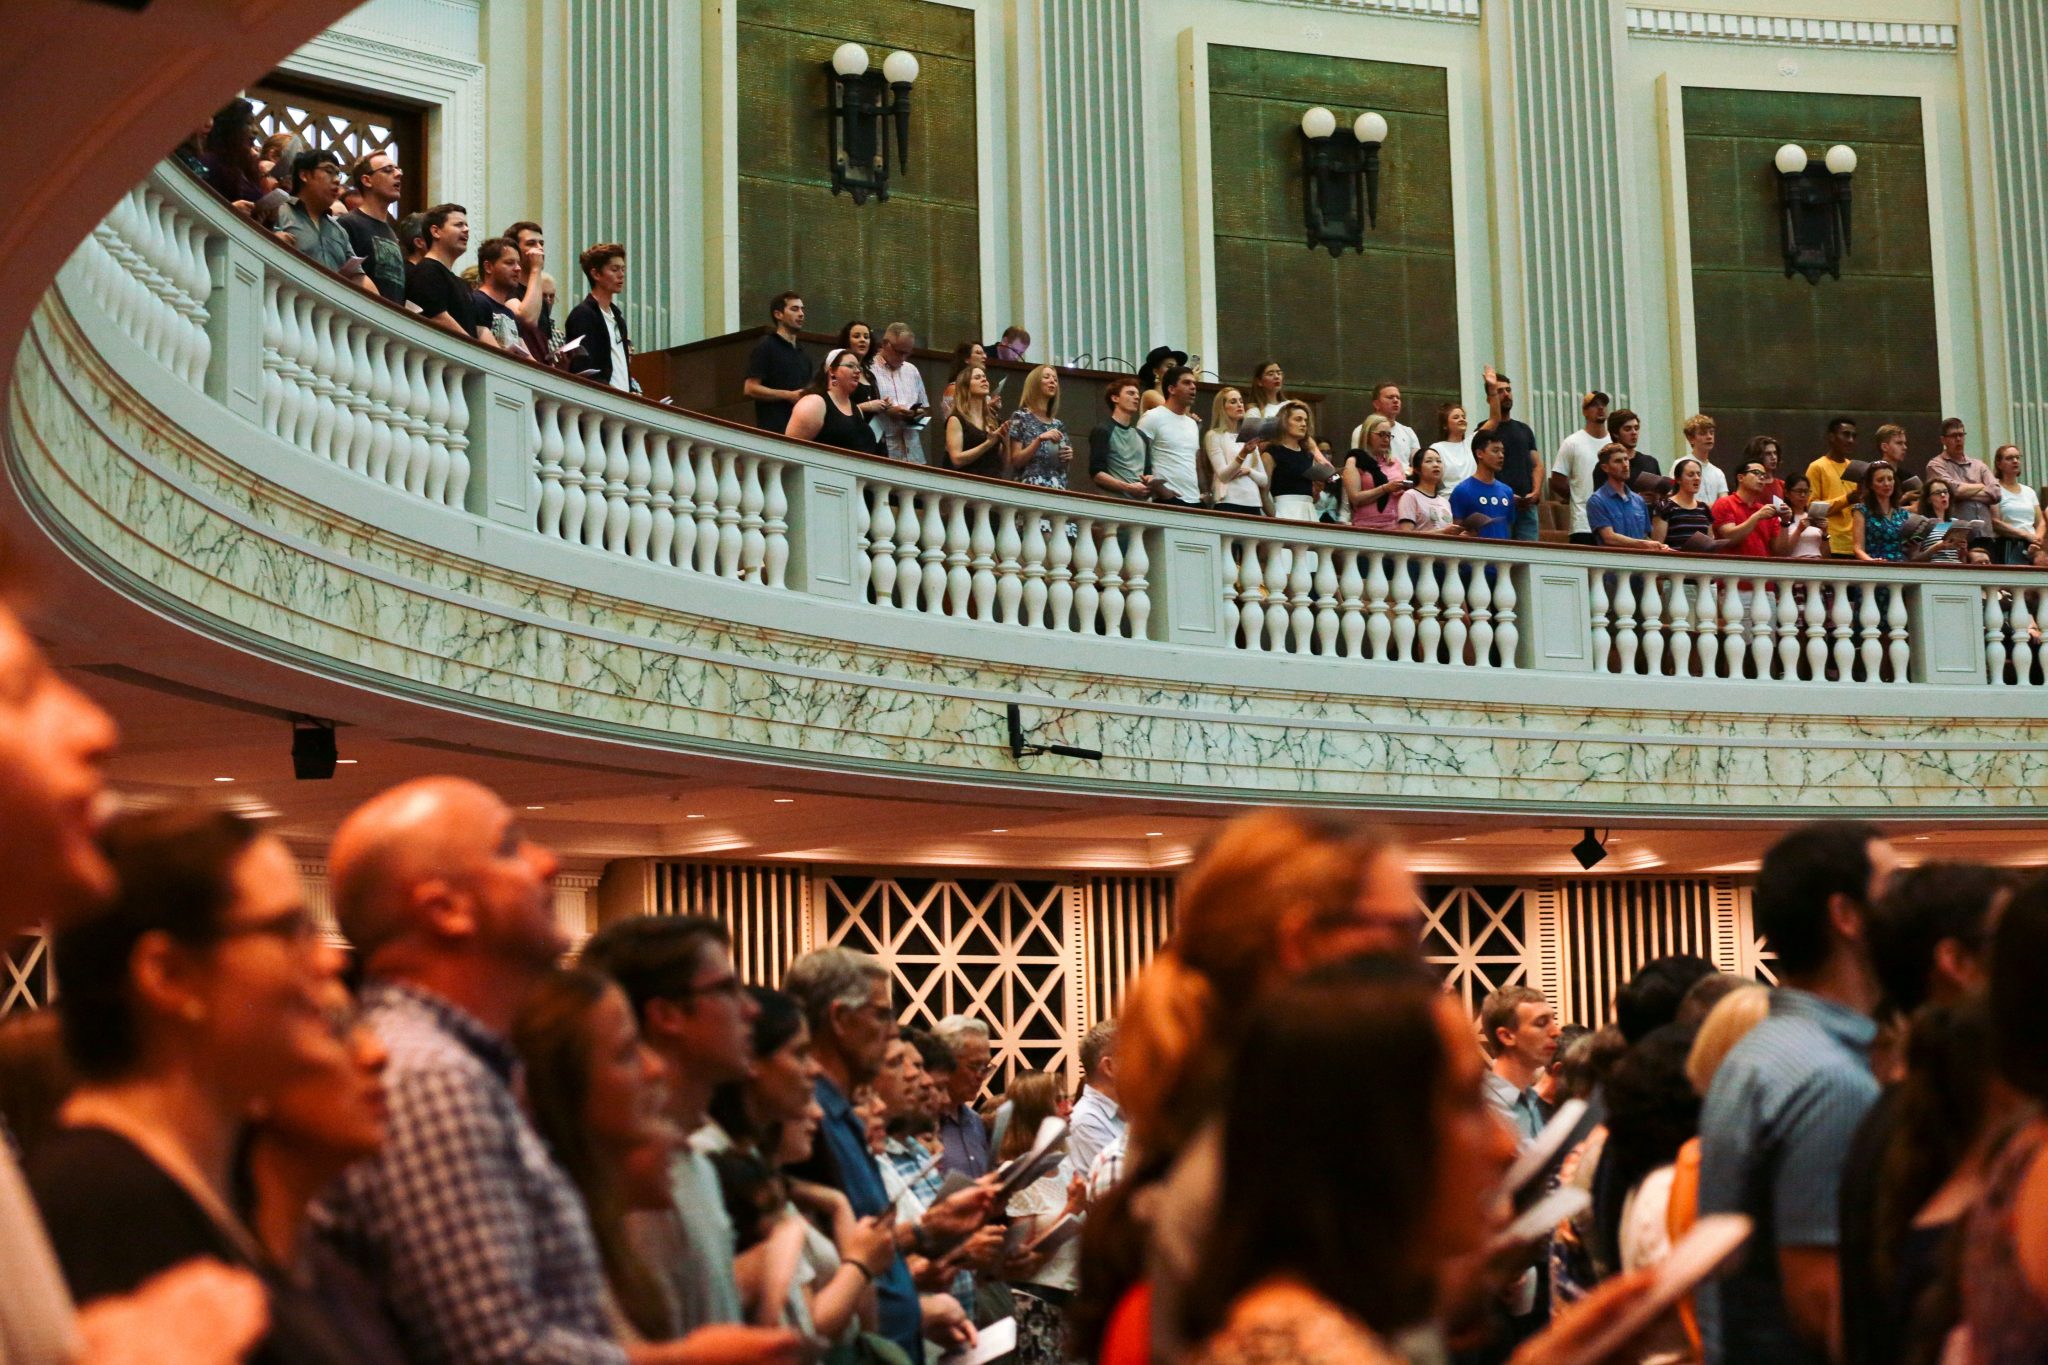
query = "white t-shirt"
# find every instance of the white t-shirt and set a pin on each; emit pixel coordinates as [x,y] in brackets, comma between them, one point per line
[1406,443]
[1458,462]
[1176,444]
[2018,510]
[1243,491]
[1578,459]
[1713,483]
[622,379]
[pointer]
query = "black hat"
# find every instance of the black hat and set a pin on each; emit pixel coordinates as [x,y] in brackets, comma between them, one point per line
[1160,353]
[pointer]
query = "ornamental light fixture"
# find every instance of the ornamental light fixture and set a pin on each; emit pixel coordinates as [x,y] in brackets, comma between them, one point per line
[862,101]
[1813,202]
[1340,172]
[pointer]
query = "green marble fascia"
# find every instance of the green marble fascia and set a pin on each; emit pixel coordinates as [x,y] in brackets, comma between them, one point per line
[251,562]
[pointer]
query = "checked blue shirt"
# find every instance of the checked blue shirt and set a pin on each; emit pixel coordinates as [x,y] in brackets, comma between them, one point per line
[478,1244]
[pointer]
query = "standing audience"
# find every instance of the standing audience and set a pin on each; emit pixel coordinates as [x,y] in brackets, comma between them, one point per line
[378,180]
[827,414]
[778,369]
[974,435]
[431,284]
[1174,440]
[1237,469]
[597,325]
[900,385]
[1036,450]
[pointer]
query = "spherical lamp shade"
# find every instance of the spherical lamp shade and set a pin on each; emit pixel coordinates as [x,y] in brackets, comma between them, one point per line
[899,68]
[1791,159]
[1370,128]
[1319,122]
[1841,160]
[850,59]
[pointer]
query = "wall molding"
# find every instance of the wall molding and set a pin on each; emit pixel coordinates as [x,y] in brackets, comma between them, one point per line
[1716,26]
[1457,11]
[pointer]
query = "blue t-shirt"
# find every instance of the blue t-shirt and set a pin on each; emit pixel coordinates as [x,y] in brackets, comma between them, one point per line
[1491,497]
[1625,511]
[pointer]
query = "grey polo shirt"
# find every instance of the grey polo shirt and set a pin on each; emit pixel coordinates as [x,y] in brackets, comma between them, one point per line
[1774,1132]
[316,235]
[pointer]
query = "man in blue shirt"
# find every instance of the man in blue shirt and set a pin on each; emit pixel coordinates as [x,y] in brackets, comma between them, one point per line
[845,998]
[1484,493]
[1784,1106]
[1617,513]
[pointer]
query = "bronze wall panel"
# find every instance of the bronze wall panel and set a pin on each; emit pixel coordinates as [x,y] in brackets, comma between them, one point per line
[916,258]
[1778,355]
[1338,326]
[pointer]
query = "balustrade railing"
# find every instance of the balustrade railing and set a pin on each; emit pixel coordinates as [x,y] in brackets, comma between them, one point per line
[345,381]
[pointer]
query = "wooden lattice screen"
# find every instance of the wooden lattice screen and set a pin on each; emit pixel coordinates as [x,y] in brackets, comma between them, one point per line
[352,128]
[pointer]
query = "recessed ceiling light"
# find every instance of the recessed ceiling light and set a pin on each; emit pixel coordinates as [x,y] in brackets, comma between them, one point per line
[348,760]
[693,817]
[785,800]
[536,807]
[1155,834]
[223,779]
[999,831]
[1459,840]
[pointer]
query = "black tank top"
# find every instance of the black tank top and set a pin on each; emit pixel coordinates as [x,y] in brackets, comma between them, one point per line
[848,431]
[990,462]
[1290,472]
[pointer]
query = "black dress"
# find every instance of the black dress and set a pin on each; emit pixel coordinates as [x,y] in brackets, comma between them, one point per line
[848,431]
[117,1219]
[990,462]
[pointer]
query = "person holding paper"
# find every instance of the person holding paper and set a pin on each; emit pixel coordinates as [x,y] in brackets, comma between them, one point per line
[1237,469]
[1044,1268]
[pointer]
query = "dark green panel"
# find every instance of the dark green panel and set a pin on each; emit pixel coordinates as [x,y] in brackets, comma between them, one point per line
[1778,355]
[916,258]
[1338,326]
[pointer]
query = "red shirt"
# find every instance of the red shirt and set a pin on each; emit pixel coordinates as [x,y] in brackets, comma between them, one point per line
[1733,510]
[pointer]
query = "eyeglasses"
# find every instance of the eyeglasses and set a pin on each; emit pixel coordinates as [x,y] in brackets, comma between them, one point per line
[729,986]
[294,928]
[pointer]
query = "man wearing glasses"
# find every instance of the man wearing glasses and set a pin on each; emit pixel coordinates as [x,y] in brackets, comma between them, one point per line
[307,224]
[961,1131]
[694,1012]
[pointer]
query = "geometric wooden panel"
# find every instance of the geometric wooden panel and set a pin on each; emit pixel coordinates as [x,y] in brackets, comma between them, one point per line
[28,983]
[1128,918]
[347,126]
[1609,928]
[764,906]
[1000,950]
[1478,937]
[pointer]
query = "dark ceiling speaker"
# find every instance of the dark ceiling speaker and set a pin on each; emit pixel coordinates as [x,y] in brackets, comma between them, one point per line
[1589,851]
[313,749]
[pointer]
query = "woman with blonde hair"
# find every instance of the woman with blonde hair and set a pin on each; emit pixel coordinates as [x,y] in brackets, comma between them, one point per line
[1373,478]
[974,439]
[1044,1282]
[1235,471]
[1298,469]
[1035,446]
[1268,390]
[1277,893]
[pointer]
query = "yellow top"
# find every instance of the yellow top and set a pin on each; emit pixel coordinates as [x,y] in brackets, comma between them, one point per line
[1825,476]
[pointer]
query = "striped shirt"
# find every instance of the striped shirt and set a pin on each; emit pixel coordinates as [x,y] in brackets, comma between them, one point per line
[1774,1132]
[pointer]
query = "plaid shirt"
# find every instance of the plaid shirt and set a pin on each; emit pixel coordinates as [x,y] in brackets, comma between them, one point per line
[479,1244]
[905,1156]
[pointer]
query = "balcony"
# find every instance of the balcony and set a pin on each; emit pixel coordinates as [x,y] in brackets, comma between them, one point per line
[221,432]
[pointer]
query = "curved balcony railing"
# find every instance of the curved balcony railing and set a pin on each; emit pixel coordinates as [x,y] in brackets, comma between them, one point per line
[367,412]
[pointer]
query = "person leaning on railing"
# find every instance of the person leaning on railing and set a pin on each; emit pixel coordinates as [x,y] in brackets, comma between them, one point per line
[1616,512]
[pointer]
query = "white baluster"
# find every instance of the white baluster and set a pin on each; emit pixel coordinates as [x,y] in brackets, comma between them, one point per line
[775,525]
[1034,570]
[1326,603]
[1479,592]
[1402,591]
[274,384]
[305,375]
[981,565]
[575,454]
[1734,629]
[1762,628]
[932,535]
[1279,563]
[1351,606]
[661,490]
[1010,575]
[1251,592]
[361,405]
[596,510]
[1900,650]
[1625,638]
[618,513]
[1300,619]
[753,544]
[1087,598]
[706,498]
[457,484]
[2023,649]
[682,550]
[1995,656]
[387,429]
[1650,612]
[1603,639]
[552,451]
[882,547]
[728,515]
[1456,633]
[639,494]
[1842,635]
[1872,648]
[1429,628]
[530,432]
[1678,616]
[1059,590]
[1708,596]
[959,582]
[909,577]
[1816,633]
[1137,586]
[1507,636]
[1112,574]
[1379,622]
[419,458]
[1788,628]
[326,409]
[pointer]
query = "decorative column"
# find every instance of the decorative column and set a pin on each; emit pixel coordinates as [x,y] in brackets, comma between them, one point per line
[1553,116]
[1091,122]
[2008,62]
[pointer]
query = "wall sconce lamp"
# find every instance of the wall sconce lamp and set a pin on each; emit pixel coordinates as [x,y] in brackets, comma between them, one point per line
[1340,179]
[861,100]
[1814,202]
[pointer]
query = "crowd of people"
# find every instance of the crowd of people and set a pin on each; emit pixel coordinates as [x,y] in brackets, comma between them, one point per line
[1256,454]
[445,1143]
